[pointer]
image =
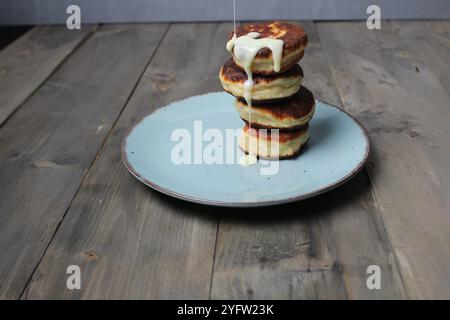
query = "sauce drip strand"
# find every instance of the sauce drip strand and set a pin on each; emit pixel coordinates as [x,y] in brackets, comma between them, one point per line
[245,49]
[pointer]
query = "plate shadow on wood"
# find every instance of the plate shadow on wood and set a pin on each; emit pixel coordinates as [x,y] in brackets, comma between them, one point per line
[353,191]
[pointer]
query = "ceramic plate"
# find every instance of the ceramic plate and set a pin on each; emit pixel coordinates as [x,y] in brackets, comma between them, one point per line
[336,151]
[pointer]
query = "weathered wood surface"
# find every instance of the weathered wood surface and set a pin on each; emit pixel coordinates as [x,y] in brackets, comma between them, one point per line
[319,248]
[430,44]
[27,62]
[48,145]
[130,241]
[385,81]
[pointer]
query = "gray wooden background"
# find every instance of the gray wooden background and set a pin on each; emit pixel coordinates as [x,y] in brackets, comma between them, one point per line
[16,12]
[68,98]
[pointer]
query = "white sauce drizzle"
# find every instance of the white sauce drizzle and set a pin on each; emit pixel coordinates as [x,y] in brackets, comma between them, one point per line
[245,49]
[248,160]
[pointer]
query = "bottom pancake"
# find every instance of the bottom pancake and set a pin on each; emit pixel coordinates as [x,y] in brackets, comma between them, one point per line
[267,144]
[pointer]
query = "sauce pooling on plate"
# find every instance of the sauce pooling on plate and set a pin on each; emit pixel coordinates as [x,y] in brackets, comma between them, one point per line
[245,49]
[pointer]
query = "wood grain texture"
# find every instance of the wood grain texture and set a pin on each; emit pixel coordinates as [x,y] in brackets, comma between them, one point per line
[130,241]
[51,141]
[429,41]
[28,61]
[318,248]
[408,115]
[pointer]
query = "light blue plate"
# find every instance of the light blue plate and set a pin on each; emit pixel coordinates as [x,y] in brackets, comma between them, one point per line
[336,151]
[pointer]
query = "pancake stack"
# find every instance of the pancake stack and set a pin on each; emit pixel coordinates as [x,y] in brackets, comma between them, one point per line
[279,100]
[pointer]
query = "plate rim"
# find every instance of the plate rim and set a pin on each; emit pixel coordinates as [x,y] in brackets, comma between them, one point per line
[249,204]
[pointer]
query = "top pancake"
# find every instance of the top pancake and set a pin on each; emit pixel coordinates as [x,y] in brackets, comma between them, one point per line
[293,36]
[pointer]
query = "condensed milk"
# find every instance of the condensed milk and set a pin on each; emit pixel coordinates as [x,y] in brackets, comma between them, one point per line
[245,49]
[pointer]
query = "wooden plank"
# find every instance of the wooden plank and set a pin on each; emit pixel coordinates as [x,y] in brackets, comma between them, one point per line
[51,141]
[132,242]
[28,61]
[318,248]
[429,42]
[408,116]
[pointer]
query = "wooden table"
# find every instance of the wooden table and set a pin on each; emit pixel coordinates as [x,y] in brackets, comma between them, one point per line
[67,98]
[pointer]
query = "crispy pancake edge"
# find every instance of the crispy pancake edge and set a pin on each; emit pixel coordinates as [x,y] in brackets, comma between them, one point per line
[283,136]
[297,106]
[233,73]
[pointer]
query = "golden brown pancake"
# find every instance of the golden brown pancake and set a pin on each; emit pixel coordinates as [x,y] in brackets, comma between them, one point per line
[289,114]
[262,142]
[293,36]
[279,86]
